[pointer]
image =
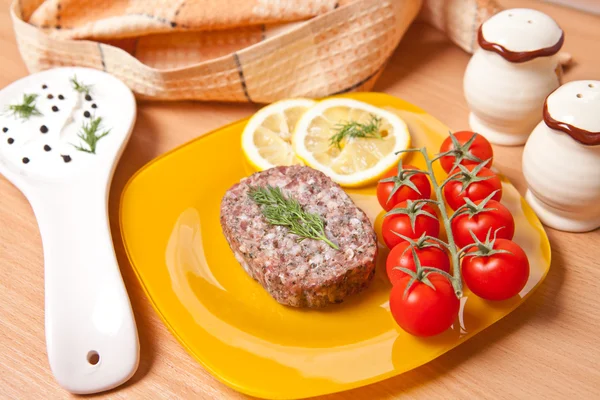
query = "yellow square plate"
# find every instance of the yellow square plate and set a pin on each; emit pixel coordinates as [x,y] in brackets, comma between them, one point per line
[170,224]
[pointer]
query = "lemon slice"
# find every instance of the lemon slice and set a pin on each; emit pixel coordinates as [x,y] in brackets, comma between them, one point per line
[357,160]
[267,138]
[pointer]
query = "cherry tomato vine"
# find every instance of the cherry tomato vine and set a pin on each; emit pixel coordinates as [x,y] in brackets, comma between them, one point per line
[450,245]
[425,299]
[412,209]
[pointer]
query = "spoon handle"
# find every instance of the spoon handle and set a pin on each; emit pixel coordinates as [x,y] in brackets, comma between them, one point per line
[91,335]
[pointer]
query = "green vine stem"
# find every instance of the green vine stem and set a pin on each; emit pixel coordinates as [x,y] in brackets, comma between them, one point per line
[456,278]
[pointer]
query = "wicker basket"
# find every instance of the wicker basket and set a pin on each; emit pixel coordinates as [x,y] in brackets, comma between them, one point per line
[163,52]
[340,51]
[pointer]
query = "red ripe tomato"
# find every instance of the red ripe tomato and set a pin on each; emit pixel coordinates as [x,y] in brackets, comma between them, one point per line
[424,311]
[400,223]
[499,220]
[466,153]
[498,276]
[476,190]
[401,256]
[393,180]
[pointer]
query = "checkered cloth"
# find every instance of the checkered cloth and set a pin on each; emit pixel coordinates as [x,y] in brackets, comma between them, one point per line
[233,50]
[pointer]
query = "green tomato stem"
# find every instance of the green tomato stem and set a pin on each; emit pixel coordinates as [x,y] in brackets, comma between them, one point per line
[452,248]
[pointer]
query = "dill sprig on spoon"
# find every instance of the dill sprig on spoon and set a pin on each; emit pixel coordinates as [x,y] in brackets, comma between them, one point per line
[90,135]
[353,129]
[79,86]
[26,109]
[287,212]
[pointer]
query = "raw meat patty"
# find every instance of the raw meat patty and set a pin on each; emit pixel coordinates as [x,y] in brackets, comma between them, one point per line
[307,273]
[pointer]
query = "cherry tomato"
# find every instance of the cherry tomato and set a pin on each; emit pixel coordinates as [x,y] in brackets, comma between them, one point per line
[404,192]
[499,220]
[401,256]
[475,191]
[480,148]
[424,311]
[497,276]
[400,223]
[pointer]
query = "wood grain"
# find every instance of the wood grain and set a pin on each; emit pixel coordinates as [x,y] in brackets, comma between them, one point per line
[545,349]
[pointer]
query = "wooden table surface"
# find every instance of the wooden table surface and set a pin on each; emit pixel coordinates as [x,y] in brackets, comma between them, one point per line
[547,348]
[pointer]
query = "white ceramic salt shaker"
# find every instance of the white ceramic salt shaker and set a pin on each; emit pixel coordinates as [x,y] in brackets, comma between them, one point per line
[561,160]
[511,74]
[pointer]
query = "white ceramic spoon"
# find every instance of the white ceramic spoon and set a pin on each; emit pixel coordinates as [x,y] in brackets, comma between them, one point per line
[90,330]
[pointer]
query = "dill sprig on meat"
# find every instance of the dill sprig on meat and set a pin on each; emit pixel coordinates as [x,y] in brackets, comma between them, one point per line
[287,212]
[79,86]
[89,135]
[353,129]
[26,109]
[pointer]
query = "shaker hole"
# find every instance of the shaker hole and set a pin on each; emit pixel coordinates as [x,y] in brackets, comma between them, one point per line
[530,22]
[93,357]
[591,85]
[579,95]
[510,15]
